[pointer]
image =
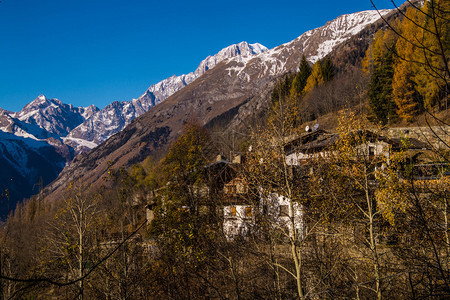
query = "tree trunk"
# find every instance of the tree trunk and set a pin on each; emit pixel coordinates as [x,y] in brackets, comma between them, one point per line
[372,241]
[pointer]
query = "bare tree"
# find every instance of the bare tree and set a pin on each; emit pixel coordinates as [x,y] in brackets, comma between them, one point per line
[72,239]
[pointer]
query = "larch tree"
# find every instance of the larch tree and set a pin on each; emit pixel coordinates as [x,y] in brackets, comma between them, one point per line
[432,45]
[405,94]
[316,78]
[407,99]
[425,34]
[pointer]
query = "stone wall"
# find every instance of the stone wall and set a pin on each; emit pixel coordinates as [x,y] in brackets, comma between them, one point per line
[438,136]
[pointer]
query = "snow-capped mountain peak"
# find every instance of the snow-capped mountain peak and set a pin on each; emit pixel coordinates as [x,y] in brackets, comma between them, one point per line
[41,98]
[40,102]
[169,86]
[114,117]
[87,112]
[242,49]
[52,115]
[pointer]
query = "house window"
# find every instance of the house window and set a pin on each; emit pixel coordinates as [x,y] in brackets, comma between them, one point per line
[371,152]
[248,211]
[230,189]
[233,211]
[284,210]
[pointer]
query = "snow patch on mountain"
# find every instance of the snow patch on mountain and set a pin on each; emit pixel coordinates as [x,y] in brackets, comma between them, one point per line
[24,162]
[342,28]
[20,128]
[80,143]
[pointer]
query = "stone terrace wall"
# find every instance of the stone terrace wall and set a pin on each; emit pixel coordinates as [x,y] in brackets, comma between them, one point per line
[438,136]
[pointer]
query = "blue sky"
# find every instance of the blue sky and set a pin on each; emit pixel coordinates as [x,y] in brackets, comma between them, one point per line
[94,52]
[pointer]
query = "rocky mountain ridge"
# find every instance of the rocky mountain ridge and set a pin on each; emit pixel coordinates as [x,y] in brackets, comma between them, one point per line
[114,117]
[83,128]
[314,44]
[233,91]
[47,130]
[54,116]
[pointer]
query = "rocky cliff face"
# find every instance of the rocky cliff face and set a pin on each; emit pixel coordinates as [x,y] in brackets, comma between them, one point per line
[237,87]
[24,162]
[20,128]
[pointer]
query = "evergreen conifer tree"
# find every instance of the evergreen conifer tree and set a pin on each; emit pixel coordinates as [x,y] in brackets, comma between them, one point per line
[380,90]
[327,69]
[300,79]
[379,61]
[304,73]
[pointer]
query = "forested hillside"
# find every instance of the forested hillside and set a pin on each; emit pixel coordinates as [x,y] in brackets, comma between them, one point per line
[408,65]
